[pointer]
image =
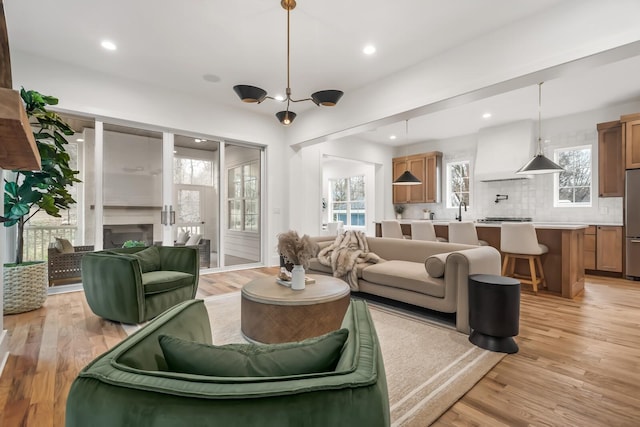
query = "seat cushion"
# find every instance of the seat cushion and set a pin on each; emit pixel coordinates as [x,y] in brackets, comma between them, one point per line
[407,275]
[162,281]
[314,265]
[64,246]
[313,355]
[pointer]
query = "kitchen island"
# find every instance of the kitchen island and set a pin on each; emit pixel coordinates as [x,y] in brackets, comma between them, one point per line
[563,265]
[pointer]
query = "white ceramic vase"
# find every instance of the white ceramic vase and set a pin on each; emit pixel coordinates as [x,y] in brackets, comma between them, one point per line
[297,278]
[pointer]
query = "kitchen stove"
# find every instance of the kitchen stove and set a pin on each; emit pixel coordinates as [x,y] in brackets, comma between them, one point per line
[499,219]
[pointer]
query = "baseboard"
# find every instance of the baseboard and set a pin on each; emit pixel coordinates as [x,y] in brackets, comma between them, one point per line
[4,349]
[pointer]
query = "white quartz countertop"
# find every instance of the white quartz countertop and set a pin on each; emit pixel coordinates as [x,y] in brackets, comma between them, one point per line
[541,225]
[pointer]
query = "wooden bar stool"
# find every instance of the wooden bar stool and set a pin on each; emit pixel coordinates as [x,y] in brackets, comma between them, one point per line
[519,241]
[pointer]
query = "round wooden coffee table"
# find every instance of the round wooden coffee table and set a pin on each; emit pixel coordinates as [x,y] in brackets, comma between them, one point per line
[273,313]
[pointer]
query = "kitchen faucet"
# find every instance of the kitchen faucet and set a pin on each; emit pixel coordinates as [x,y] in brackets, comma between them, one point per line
[459,217]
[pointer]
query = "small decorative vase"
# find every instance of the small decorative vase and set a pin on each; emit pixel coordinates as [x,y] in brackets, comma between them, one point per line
[398,216]
[297,278]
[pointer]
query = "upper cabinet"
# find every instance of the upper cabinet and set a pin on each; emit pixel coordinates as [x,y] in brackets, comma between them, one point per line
[632,140]
[611,159]
[415,164]
[426,167]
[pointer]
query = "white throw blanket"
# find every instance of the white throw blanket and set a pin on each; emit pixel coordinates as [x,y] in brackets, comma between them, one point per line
[345,253]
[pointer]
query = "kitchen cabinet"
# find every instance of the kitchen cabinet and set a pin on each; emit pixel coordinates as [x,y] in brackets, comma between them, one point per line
[590,248]
[609,248]
[426,167]
[415,164]
[611,157]
[632,140]
[433,163]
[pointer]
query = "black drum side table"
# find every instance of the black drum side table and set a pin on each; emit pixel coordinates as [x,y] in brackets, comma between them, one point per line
[494,312]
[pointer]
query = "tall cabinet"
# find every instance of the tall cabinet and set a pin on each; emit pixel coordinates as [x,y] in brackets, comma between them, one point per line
[426,167]
[632,140]
[611,159]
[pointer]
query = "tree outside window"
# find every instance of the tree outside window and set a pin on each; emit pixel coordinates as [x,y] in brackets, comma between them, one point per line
[347,201]
[573,185]
[243,197]
[458,190]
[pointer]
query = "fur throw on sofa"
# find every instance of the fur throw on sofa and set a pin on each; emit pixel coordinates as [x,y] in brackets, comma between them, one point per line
[349,249]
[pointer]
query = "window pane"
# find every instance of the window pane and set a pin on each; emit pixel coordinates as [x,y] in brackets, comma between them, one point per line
[574,183]
[188,208]
[339,190]
[356,189]
[192,171]
[458,189]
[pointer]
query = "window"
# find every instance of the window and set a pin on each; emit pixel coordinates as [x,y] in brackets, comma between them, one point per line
[192,171]
[458,184]
[573,185]
[243,197]
[347,201]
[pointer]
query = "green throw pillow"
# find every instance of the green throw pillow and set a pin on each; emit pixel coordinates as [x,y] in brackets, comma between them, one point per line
[313,355]
[149,259]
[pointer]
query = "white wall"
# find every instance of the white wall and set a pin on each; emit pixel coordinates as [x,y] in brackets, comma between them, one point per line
[532,197]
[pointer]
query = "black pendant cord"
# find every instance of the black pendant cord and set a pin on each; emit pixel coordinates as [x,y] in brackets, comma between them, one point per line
[540,118]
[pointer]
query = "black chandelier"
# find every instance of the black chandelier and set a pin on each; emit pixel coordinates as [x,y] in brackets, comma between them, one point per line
[253,94]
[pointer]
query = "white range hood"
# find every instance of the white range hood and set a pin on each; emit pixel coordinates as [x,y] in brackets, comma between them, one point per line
[502,150]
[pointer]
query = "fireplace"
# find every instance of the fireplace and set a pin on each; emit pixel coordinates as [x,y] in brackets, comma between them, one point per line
[115,235]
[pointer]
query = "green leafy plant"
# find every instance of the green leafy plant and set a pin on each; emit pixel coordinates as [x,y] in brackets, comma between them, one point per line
[398,208]
[47,189]
[133,244]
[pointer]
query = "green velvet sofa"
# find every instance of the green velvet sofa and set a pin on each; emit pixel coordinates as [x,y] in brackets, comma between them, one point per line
[131,386]
[132,285]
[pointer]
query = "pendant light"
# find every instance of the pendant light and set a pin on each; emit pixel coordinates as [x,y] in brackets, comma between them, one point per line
[253,94]
[407,178]
[539,164]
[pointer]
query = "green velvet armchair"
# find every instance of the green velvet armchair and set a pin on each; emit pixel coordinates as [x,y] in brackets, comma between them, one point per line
[132,285]
[131,385]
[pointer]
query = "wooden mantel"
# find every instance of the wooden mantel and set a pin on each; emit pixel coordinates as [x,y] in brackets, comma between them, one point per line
[18,149]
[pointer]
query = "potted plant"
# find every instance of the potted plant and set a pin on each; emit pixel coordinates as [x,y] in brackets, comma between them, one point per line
[29,192]
[399,209]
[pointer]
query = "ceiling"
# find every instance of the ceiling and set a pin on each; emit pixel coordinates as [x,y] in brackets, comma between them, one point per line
[204,48]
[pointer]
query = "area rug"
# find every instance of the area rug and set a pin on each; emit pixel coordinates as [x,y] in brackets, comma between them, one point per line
[429,366]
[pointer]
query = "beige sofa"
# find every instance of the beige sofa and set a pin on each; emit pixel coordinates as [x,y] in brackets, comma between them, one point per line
[403,276]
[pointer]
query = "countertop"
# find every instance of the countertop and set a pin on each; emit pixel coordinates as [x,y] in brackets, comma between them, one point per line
[541,225]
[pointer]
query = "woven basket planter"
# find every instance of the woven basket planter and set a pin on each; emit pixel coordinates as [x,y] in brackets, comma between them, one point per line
[25,287]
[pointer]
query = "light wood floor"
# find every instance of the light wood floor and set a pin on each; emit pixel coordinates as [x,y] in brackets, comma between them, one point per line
[578,364]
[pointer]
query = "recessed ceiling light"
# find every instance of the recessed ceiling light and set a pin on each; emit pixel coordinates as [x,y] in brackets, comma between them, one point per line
[279,98]
[369,49]
[392,137]
[79,140]
[486,115]
[109,45]
[174,151]
[211,78]
[199,140]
